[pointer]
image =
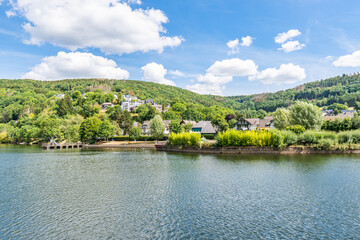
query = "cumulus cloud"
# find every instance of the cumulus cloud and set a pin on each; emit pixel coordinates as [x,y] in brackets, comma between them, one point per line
[154,72]
[234,44]
[221,73]
[351,60]
[283,37]
[286,74]
[233,67]
[246,41]
[291,46]
[110,25]
[76,65]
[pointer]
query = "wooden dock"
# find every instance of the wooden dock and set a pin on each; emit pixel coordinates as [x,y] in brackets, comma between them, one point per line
[65,146]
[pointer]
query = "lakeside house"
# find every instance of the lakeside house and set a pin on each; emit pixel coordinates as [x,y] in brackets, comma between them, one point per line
[204,127]
[246,124]
[145,127]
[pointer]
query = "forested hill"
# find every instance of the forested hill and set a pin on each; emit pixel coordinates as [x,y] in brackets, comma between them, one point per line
[341,89]
[162,94]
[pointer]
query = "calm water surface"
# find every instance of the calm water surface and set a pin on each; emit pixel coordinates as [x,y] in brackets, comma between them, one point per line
[152,195]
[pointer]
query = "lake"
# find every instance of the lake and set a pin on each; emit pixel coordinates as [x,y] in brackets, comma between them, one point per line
[144,194]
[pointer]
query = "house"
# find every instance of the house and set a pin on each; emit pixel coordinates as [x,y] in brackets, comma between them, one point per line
[106,105]
[183,122]
[328,112]
[204,127]
[247,124]
[61,95]
[146,127]
[341,116]
[158,107]
[254,123]
[130,106]
[129,98]
[266,123]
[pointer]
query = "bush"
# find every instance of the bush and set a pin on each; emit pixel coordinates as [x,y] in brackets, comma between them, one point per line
[345,137]
[356,136]
[185,139]
[308,137]
[289,138]
[298,129]
[325,144]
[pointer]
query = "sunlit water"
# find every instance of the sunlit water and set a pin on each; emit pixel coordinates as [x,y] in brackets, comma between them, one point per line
[154,195]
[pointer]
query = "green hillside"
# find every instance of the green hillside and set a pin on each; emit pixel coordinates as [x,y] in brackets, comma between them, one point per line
[341,89]
[162,94]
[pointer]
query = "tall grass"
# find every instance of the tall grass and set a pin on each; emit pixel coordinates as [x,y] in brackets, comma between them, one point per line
[248,138]
[185,139]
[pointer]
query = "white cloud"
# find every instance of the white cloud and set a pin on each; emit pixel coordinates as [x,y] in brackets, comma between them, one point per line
[176,73]
[234,44]
[110,25]
[351,60]
[291,46]
[221,73]
[286,74]
[213,89]
[154,72]
[246,41]
[134,2]
[283,37]
[233,67]
[76,65]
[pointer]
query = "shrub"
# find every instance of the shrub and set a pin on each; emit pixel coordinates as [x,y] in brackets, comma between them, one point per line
[329,135]
[185,139]
[356,136]
[308,137]
[325,144]
[345,137]
[298,129]
[289,138]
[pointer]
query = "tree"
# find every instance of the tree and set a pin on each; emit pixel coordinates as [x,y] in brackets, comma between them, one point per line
[281,118]
[186,127]
[135,133]
[178,107]
[145,112]
[48,127]
[106,130]
[175,127]
[65,106]
[307,115]
[220,123]
[89,128]
[157,127]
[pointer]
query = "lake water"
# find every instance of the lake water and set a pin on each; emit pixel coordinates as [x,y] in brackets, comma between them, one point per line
[137,194]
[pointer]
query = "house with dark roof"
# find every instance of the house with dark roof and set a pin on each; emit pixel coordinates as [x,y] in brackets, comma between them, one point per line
[204,127]
[254,123]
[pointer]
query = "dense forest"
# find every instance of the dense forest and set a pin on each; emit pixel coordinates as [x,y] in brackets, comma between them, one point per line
[343,89]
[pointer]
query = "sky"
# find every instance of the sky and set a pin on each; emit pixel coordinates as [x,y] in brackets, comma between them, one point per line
[222,47]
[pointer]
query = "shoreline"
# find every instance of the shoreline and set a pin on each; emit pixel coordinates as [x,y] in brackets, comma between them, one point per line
[116,145]
[252,150]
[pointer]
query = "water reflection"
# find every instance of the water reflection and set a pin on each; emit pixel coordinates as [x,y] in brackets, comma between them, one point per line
[147,194]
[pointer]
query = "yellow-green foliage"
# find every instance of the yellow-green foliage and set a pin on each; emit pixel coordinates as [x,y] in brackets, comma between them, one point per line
[185,139]
[249,138]
[3,136]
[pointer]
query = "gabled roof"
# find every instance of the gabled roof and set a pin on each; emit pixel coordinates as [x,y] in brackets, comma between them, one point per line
[187,122]
[206,127]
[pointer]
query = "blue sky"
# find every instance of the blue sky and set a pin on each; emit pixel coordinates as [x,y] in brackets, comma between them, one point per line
[181,42]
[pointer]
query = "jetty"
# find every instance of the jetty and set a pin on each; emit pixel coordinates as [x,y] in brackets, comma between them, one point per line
[63,146]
